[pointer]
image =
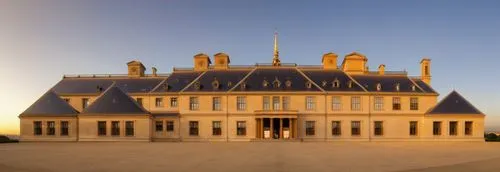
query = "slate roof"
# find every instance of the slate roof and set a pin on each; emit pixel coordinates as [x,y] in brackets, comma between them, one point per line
[114,101]
[424,86]
[92,85]
[388,83]
[254,82]
[325,79]
[50,104]
[225,79]
[177,81]
[454,103]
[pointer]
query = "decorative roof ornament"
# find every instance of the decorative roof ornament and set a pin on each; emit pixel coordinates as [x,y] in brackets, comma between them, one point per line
[197,85]
[276,54]
[215,84]
[288,83]
[243,85]
[276,83]
[308,84]
[265,83]
[336,83]
[397,86]
[379,87]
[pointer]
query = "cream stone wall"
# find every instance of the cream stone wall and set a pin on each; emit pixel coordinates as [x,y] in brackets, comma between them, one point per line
[88,128]
[477,129]
[165,135]
[77,101]
[27,129]
[205,126]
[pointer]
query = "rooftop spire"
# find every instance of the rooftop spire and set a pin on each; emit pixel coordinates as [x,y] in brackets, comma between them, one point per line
[276,55]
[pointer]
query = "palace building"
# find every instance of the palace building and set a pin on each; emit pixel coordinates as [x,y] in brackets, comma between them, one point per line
[276,101]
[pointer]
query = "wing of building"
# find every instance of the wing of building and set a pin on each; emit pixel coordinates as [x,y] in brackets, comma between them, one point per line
[221,102]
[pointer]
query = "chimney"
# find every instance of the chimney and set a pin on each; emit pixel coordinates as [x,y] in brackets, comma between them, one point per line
[354,63]
[329,61]
[381,69]
[201,62]
[154,71]
[135,69]
[425,70]
[221,61]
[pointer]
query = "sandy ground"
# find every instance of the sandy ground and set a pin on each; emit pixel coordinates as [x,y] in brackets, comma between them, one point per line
[251,156]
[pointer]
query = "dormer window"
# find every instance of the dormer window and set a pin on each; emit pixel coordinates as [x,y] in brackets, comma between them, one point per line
[165,86]
[243,85]
[308,84]
[336,83]
[323,83]
[413,88]
[397,87]
[288,83]
[215,84]
[379,87]
[265,83]
[197,85]
[276,83]
[349,84]
[229,84]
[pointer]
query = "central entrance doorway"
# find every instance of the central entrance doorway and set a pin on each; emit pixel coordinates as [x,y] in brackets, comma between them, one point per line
[275,128]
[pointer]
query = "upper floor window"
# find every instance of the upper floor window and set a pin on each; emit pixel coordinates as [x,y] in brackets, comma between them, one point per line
[265,103]
[139,101]
[276,103]
[286,102]
[396,103]
[159,102]
[414,103]
[336,103]
[51,128]
[85,103]
[241,103]
[310,103]
[216,104]
[355,103]
[379,103]
[37,128]
[173,102]
[193,103]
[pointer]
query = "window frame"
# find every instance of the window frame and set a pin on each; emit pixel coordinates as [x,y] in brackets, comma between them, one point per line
[468,128]
[336,128]
[453,129]
[85,102]
[216,104]
[413,128]
[139,101]
[169,126]
[437,128]
[266,105]
[115,128]
[194,128]
[396,103]
[310,128]
[216,128]
[51,129]
[241,128]
[378,128]
[241,103]
[336,103]
[310,103]
[414,103]
[102,128]
[159,102]
[37,128]
[173,102]
[194,103]
[129,129]
[159,126]
[276,103]
[285,100]
[355,128]
[356,103]
[378,103]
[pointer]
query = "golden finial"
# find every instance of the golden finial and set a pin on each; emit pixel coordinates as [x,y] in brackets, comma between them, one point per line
[276,58]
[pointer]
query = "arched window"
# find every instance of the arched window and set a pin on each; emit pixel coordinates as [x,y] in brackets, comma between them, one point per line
[379,87]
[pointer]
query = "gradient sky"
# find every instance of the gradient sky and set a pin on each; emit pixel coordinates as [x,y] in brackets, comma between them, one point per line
[41,40]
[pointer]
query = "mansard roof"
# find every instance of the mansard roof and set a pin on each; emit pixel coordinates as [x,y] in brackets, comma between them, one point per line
[114,101]
[177,81]
[97,85]
[424,86]
[388,83]
[217,80]
[327,78]
[276,79]
[50,104]
[454,103]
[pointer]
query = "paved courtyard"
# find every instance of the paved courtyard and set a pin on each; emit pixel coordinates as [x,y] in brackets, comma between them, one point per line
[250,156]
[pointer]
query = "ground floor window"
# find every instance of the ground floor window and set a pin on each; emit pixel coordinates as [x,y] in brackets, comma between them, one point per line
[310,126]
[193,128]
[378,128]
[115,128]
[468,128]
[64,128]
[216,128]
[436,128]
[170,126]
[453,128]
[101,128]
[336,129]
[356,128]
[159,126]
[413,128]
[51,128]
[37,128]
[129,128]
[241,128]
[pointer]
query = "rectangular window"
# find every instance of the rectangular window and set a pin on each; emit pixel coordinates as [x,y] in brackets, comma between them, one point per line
[37,128]
[453,128]
[378,128]
[265,103]
[396,103]
[379,103]
[67,100]
[51,128]
[170,126]
[101,128]
[436,128]
[159,126]
[139,101]
[310,103]
[216,128]
[193,128]
[193,103]
[286,102]
[355,103]
[468,128]
[355,128]
[64,128]
[216,104]
[241,103]
[414,103]
[276,103]
[129,128]
[336,103]
[336,128]
[159,102]
[413,128]
[173,102]
[241,128]
[85,103]
[310,126]
[115,128]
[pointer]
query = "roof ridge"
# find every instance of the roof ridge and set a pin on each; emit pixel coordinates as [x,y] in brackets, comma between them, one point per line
[310,80]
[243,79]
[350,77]
[193,81]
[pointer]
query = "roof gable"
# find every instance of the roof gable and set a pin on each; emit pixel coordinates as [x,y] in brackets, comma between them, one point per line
[50,104]
[114,101]
[454,103]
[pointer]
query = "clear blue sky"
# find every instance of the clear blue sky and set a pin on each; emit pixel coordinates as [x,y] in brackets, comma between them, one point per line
[42,40]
